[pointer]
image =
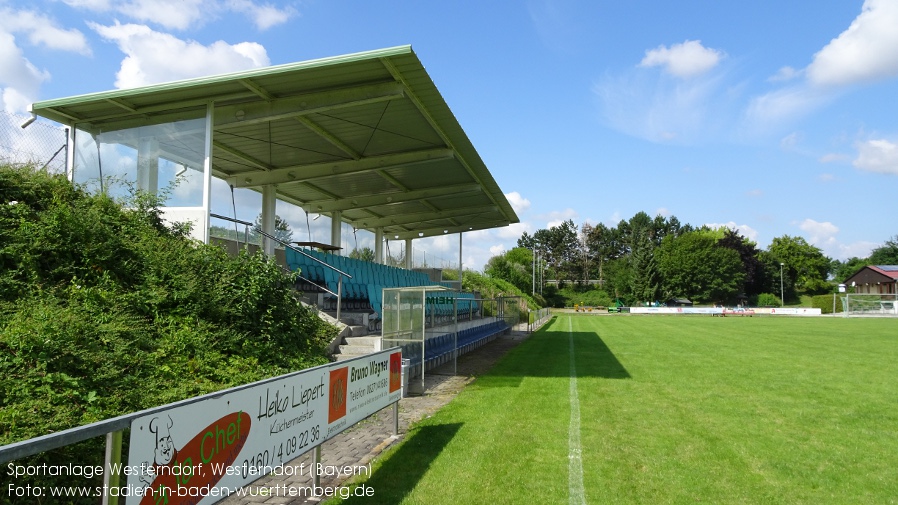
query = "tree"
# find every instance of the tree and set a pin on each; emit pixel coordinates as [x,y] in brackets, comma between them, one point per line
[751,263]
[887,254]
[560,246]
[282,230]
[695,266]
[645,285]
[845,269]
[514,266]
[364,254]
[805,264]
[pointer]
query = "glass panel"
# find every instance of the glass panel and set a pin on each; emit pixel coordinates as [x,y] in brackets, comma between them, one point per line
[165,158]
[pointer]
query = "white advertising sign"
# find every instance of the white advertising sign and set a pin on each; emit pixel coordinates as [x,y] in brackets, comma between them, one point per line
[676,310]
[195,453]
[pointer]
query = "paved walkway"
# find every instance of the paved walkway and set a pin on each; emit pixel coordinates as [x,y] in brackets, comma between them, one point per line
[358,446]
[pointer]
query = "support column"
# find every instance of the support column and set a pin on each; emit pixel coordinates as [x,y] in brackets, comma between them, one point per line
[337,230]
[379,245]
[408,254]
[269,209]
[70,152]
[460,271]
[207,173]
[148,165]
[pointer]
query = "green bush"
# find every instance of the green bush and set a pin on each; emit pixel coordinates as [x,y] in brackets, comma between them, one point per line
[587,297]
[769,300]
[104,311]
[825,303]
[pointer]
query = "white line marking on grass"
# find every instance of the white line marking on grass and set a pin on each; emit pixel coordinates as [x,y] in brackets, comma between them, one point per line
[575,461]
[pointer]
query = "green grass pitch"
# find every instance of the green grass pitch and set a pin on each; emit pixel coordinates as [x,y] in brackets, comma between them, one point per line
[672,409]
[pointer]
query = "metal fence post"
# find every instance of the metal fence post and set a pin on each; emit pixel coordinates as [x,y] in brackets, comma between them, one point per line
[113,462]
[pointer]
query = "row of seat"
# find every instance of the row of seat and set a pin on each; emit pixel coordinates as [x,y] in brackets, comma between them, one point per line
[440,349]
[364,290]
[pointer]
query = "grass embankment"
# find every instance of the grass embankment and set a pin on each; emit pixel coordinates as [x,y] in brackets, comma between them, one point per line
[672,410]
[106,310]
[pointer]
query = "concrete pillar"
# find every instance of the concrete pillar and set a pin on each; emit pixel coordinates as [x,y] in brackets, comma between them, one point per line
[269,208]
[379,245]
[460,271]
[408,254]
[148,165]
[337,230]
[207,171]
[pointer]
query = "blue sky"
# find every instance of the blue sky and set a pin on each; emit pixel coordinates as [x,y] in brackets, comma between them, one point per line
[776,118]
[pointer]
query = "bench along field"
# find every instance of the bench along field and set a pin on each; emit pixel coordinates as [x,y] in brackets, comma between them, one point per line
[666,410]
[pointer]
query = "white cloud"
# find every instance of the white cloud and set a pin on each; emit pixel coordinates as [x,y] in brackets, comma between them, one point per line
[685,60]
[785,74]
[865,52]
[860,249]
[556,217]
[824,235]
[743,229]
[514,231]
[518,202]
[661,109]
[263,16]
[20,80]
[153,57]
[879,156]
[40,30]
[833,158]
[784,105]
[496,250]
[184,14]
[790,141]
[820,234]
[177,14]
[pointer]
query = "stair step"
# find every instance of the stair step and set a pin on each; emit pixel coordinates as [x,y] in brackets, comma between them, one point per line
[356,350]
[363,340]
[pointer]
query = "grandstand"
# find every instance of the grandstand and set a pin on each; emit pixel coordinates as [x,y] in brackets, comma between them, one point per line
[365,139]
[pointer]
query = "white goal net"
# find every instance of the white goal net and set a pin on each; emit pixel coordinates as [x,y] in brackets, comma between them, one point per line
[870,304]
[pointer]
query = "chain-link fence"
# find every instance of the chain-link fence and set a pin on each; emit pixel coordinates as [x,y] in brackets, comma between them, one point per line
[39,144]
[395,256]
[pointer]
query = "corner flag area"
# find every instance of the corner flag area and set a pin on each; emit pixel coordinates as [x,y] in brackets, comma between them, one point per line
[609,409]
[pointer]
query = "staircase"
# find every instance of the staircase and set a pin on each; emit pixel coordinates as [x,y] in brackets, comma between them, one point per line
[358,346]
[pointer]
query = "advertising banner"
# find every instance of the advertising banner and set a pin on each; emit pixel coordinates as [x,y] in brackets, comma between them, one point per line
[676,310]
[197,452]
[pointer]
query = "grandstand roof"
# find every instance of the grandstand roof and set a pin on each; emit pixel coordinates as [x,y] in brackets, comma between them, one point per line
[366,134]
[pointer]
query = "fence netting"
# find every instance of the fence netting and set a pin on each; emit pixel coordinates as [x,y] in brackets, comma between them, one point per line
[40,144]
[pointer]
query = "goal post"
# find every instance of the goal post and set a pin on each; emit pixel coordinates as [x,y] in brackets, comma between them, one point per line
[864,304]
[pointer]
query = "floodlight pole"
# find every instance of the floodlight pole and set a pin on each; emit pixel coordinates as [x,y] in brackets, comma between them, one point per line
[782,298]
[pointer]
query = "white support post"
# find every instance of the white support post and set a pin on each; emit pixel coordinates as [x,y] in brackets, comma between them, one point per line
[269,205]
[408,254]
[337,230]
[70,152]
[148,165]
[379,245]
[207,171]
[460,271]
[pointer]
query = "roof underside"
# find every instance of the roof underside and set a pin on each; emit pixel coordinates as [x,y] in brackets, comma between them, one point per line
[366,134]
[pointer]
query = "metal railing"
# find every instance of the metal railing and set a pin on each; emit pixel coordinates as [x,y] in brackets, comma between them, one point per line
[297,250]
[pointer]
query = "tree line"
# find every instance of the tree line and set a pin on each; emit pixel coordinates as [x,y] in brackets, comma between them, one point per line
[646,260]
